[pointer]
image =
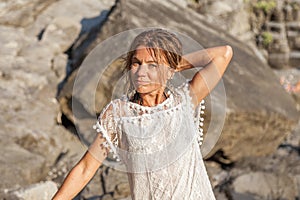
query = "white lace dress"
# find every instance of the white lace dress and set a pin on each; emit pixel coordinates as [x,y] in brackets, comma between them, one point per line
[159,147]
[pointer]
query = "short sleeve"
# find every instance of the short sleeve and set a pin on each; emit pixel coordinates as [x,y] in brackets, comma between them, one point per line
[106,140]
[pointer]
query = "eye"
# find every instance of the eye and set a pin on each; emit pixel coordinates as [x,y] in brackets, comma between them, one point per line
[152,65]
[135,64]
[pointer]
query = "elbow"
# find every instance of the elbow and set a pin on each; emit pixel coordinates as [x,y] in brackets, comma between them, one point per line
[228,52]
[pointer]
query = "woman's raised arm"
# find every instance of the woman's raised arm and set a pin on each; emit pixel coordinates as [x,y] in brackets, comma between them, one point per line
[215,61]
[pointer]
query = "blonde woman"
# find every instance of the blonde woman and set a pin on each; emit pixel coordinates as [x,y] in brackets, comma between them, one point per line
[154,130]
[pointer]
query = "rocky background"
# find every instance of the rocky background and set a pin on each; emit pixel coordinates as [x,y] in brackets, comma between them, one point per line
[44,43]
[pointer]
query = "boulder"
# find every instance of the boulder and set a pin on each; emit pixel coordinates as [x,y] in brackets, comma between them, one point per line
[259,113]
[232,16]
[62,31]
[219,8]
[39,191]
[11,40]
[32,138]
[35,35]
[115,180]
[266,185]
[84,12]
[23,12]
[21,163]
[122,191]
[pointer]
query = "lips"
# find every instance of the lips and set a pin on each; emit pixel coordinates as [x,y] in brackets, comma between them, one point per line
[139,82]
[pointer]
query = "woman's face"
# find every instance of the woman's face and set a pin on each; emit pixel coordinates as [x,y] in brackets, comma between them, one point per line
[146,73]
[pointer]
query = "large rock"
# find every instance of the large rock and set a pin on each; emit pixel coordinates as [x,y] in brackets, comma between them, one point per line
[62,31]
[266,185]
[21,13]
[43,190]
[259,112]
[32,138]
[11,40]
[88,13]
[26,166]
[34,36]
[230,15]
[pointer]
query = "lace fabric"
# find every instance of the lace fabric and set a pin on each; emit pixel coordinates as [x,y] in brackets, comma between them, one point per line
[158,145]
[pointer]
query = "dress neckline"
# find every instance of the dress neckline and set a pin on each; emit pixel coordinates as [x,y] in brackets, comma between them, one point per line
[166,102]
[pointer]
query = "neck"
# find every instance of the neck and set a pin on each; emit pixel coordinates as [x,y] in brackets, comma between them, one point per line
[152,98]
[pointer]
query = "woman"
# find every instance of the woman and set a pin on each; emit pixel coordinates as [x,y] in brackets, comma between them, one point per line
[153,130]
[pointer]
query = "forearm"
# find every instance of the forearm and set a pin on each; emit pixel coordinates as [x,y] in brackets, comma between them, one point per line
[76,180]
[201,58]
[72,185]
[206,79]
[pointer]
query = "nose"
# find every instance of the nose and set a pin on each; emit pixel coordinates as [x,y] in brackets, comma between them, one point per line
[142,69]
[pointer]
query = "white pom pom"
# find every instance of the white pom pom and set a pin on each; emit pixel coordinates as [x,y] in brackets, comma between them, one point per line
[105,144]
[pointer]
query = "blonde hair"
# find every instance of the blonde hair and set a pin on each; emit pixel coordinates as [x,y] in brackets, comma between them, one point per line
[160,43]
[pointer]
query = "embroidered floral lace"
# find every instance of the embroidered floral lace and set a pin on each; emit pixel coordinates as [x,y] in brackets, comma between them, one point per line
[160,146]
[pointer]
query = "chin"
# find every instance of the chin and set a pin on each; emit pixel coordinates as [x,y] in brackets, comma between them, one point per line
[148,89]
[143,91]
